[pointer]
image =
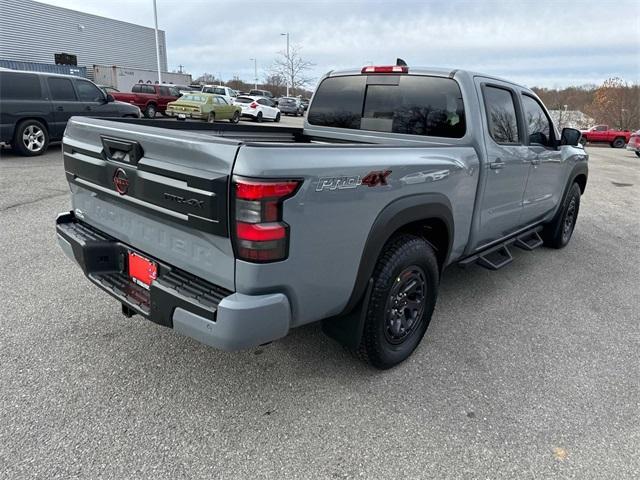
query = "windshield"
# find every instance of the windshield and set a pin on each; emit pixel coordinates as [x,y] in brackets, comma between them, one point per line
[216,90]
[244,100]
[287,100]
[409,104]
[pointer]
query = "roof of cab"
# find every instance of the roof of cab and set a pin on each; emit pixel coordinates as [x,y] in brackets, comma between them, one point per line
[432,71]
[49,74]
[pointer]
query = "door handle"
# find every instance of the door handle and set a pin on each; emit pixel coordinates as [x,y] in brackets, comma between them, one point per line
[60,109]
[535,161]
[497,165]
[88,108]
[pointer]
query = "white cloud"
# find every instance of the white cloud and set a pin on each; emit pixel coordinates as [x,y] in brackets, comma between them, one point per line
[539,42]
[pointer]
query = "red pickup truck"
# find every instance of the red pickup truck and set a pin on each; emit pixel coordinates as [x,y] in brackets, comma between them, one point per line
[149,98]
[602,134]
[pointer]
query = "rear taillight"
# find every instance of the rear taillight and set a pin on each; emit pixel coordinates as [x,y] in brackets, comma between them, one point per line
[386,69]
[253,105]
[260,233]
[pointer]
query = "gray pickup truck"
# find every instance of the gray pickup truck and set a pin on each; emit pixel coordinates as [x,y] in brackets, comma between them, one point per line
[234,234]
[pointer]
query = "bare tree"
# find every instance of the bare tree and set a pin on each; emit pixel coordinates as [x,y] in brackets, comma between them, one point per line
[276,84]
[617,104]
[293,68]
[208,78]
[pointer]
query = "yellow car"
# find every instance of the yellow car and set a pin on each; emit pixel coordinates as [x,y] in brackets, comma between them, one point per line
[203,106]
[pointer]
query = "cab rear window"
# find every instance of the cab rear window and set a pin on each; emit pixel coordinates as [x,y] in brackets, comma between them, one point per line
[409,104]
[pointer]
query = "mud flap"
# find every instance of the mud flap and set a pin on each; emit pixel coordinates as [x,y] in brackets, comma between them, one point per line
[347,329]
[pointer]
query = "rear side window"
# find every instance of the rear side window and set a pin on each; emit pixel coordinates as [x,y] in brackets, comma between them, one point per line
[338,102]
[409,104]
[501,115]
[538,125]
[148,89]
[61,89]
[137,88]
[20,86]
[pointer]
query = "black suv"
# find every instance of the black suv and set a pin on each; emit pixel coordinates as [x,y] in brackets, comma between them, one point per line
[35,107]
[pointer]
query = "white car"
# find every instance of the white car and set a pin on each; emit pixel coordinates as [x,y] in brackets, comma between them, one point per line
[229,94]
[258,108]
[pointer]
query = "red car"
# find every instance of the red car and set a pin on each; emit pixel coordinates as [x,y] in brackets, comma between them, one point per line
[149,98]
[602,134]
[634,142]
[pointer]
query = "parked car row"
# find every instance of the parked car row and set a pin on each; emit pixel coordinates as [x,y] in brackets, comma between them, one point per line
[35,107]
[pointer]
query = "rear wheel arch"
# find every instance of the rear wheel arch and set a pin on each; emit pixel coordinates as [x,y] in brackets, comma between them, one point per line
[428,216]
[36,118]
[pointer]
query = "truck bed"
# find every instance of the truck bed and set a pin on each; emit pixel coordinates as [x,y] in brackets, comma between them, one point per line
[242,132]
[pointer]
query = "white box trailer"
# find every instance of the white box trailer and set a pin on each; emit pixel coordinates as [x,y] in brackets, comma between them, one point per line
[124,78]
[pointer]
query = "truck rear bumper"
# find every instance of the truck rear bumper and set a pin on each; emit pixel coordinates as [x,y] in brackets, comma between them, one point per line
[188,304]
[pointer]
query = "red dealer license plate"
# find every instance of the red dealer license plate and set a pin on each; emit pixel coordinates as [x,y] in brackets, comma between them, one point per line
[141,270]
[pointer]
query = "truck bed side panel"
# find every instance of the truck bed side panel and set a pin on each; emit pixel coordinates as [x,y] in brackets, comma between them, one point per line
[329,228]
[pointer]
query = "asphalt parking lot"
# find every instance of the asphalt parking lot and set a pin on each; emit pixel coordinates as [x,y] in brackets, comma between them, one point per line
[529,372]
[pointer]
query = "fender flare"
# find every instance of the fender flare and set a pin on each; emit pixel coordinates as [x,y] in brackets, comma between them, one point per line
[394,216]
[579,168]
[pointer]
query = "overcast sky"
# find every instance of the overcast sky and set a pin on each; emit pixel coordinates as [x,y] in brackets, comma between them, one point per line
[535,42]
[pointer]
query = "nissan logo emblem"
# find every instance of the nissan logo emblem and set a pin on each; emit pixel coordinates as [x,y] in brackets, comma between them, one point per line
[120,181]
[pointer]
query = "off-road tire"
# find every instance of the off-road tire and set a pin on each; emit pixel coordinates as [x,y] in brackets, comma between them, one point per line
[150,111]
[558,232]
[404,253]
[37,136]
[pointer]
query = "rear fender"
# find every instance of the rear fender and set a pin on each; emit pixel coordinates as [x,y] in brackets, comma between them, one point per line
[347,327]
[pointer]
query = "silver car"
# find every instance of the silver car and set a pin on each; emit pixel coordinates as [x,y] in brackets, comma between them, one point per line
[291,106]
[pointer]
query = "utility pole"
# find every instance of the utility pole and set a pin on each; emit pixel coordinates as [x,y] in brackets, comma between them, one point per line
[155,18]
[289,64]
[255,72]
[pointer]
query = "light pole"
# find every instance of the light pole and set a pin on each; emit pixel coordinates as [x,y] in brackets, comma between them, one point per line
[155,18]
[255,72]
[289,66]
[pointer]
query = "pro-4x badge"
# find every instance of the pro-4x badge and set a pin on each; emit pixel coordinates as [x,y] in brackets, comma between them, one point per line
[371,179]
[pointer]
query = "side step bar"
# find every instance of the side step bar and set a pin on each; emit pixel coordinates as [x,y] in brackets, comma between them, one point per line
[529,241]
[495,258]
[498,256]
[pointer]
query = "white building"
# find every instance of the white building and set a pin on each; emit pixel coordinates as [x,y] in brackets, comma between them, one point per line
[571,118]
[34,32]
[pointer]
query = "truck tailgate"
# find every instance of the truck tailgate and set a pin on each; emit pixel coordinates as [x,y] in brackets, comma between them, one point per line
[163,194]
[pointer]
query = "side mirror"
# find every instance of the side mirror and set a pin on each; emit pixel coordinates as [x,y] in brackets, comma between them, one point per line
[110,98]
[570,136]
